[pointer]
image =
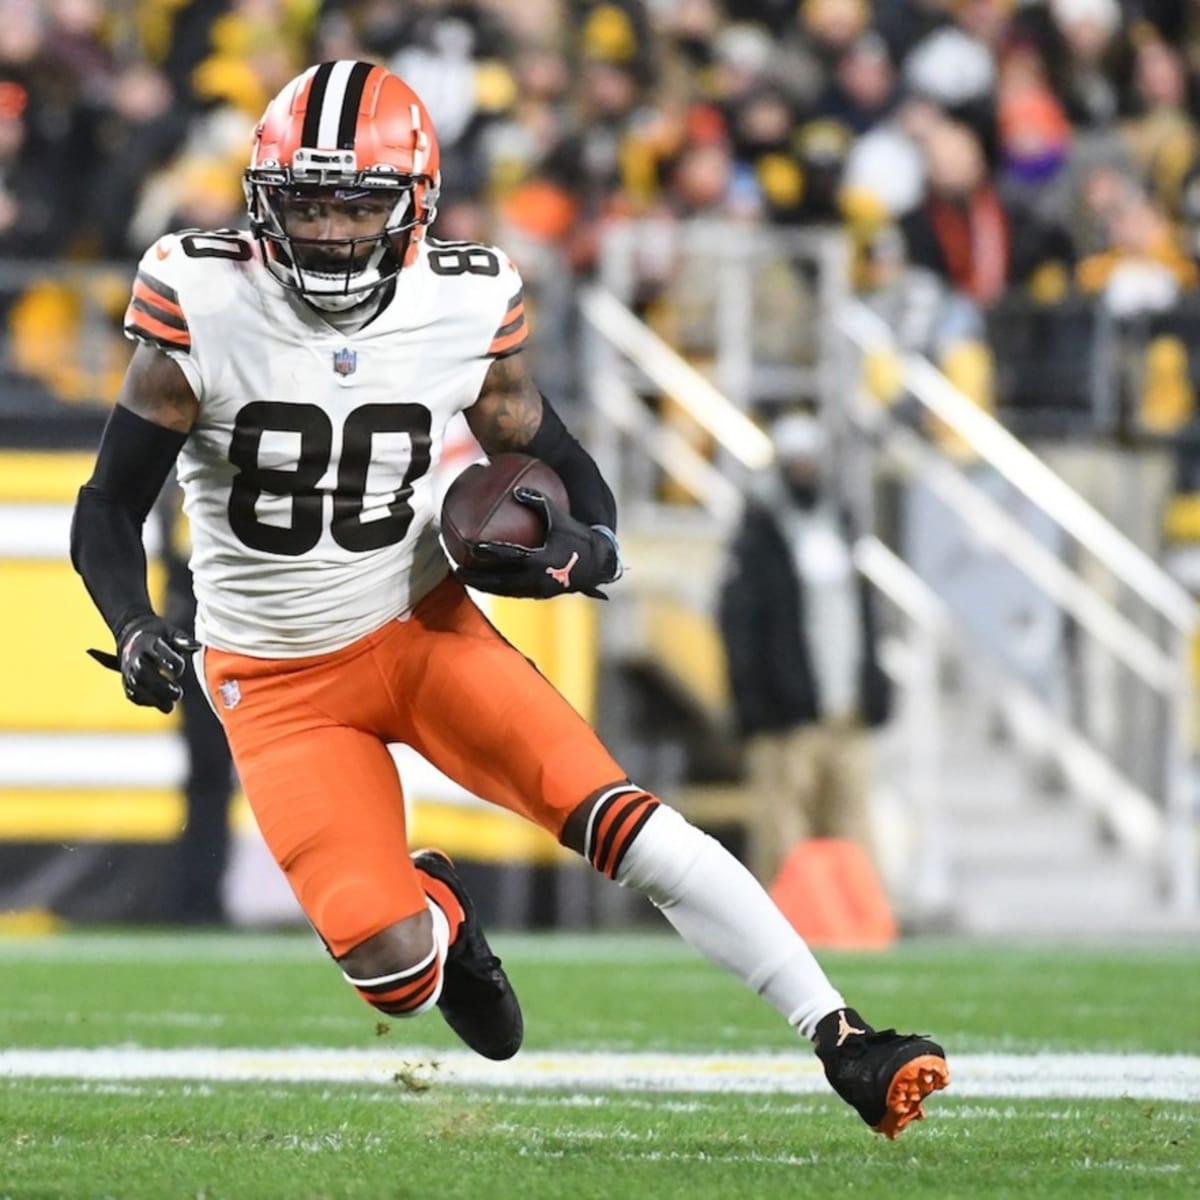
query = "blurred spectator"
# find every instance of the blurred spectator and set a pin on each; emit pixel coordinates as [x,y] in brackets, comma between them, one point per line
[336,36]
[904,23]
[951,258]
[518,143]
[833,26]
[197,192]
[1092,60]
[25,58]
[1144,268]
[138,131]
[989,22]
[34,221]
[253,48]
[619,31]
[958,73]
[455,56]
[702,180]
[969,237]
[743,64]
[1034,135]
[1161,136]
[1099,189]
[589,166]
[884,176]
[801,646]
[65,332]
[862,91]
[74,38]
[964,143]
[692,34]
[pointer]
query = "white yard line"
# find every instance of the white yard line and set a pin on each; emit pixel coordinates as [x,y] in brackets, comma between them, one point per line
[301,945]
[1036,1076]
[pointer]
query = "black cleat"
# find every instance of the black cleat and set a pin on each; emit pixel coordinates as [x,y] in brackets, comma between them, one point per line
[477,1001]
[883,1074]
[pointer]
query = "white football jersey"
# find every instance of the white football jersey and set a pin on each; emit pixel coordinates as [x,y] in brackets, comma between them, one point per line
[307,475]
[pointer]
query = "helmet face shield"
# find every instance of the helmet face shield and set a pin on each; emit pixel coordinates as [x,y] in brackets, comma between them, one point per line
[335,224]
[329,242]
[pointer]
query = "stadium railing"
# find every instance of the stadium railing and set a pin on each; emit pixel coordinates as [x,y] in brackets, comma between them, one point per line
[1131,631]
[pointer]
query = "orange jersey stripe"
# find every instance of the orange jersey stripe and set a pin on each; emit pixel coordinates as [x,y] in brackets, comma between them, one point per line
[148,295]
[510,341]
[147,326]
[511,332]
[518,310]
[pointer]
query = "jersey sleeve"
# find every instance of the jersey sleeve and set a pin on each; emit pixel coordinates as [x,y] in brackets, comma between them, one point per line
[155,314]
[512,329]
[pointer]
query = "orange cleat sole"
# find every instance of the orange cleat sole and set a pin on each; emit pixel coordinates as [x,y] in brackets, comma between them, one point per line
[912,1083]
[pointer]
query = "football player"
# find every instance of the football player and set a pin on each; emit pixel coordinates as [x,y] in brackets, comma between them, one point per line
[303,375]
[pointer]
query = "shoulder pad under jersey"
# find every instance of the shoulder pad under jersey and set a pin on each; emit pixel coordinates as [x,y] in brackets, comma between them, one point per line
[173,267]
[495,285]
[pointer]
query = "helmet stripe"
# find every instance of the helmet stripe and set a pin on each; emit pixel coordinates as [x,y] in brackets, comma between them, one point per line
[354,92]
[314,103]
[331,105]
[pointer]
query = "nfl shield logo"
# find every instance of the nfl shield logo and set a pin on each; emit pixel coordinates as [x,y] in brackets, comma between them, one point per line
[345,361]
[231,693]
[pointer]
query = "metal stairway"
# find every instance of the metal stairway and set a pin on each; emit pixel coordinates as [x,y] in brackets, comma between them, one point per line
[1006,552]
[1023,856]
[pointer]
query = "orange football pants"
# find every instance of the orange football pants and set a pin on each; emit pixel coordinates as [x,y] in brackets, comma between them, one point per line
[310,735]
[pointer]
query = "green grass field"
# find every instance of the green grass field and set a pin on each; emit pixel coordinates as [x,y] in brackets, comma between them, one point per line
[98,1098]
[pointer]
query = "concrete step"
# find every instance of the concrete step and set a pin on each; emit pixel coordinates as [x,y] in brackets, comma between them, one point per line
[1046,904]
[1025,836]
[1024,858]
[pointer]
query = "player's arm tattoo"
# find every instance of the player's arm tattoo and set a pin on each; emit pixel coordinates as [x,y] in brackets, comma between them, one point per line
[509,409]
[156,389]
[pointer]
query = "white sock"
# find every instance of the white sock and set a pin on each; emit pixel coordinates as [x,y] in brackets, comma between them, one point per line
[720,909]
[441,930]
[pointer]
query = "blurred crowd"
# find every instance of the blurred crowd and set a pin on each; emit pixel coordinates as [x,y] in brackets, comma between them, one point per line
[971,147]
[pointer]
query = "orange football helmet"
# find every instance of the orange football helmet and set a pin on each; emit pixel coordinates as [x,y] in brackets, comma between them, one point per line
[350,129]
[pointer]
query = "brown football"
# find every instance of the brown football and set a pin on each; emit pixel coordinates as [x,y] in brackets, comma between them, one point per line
[479,506]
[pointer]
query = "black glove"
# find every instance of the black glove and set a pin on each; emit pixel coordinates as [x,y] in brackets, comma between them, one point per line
[150,659]
[573,558]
